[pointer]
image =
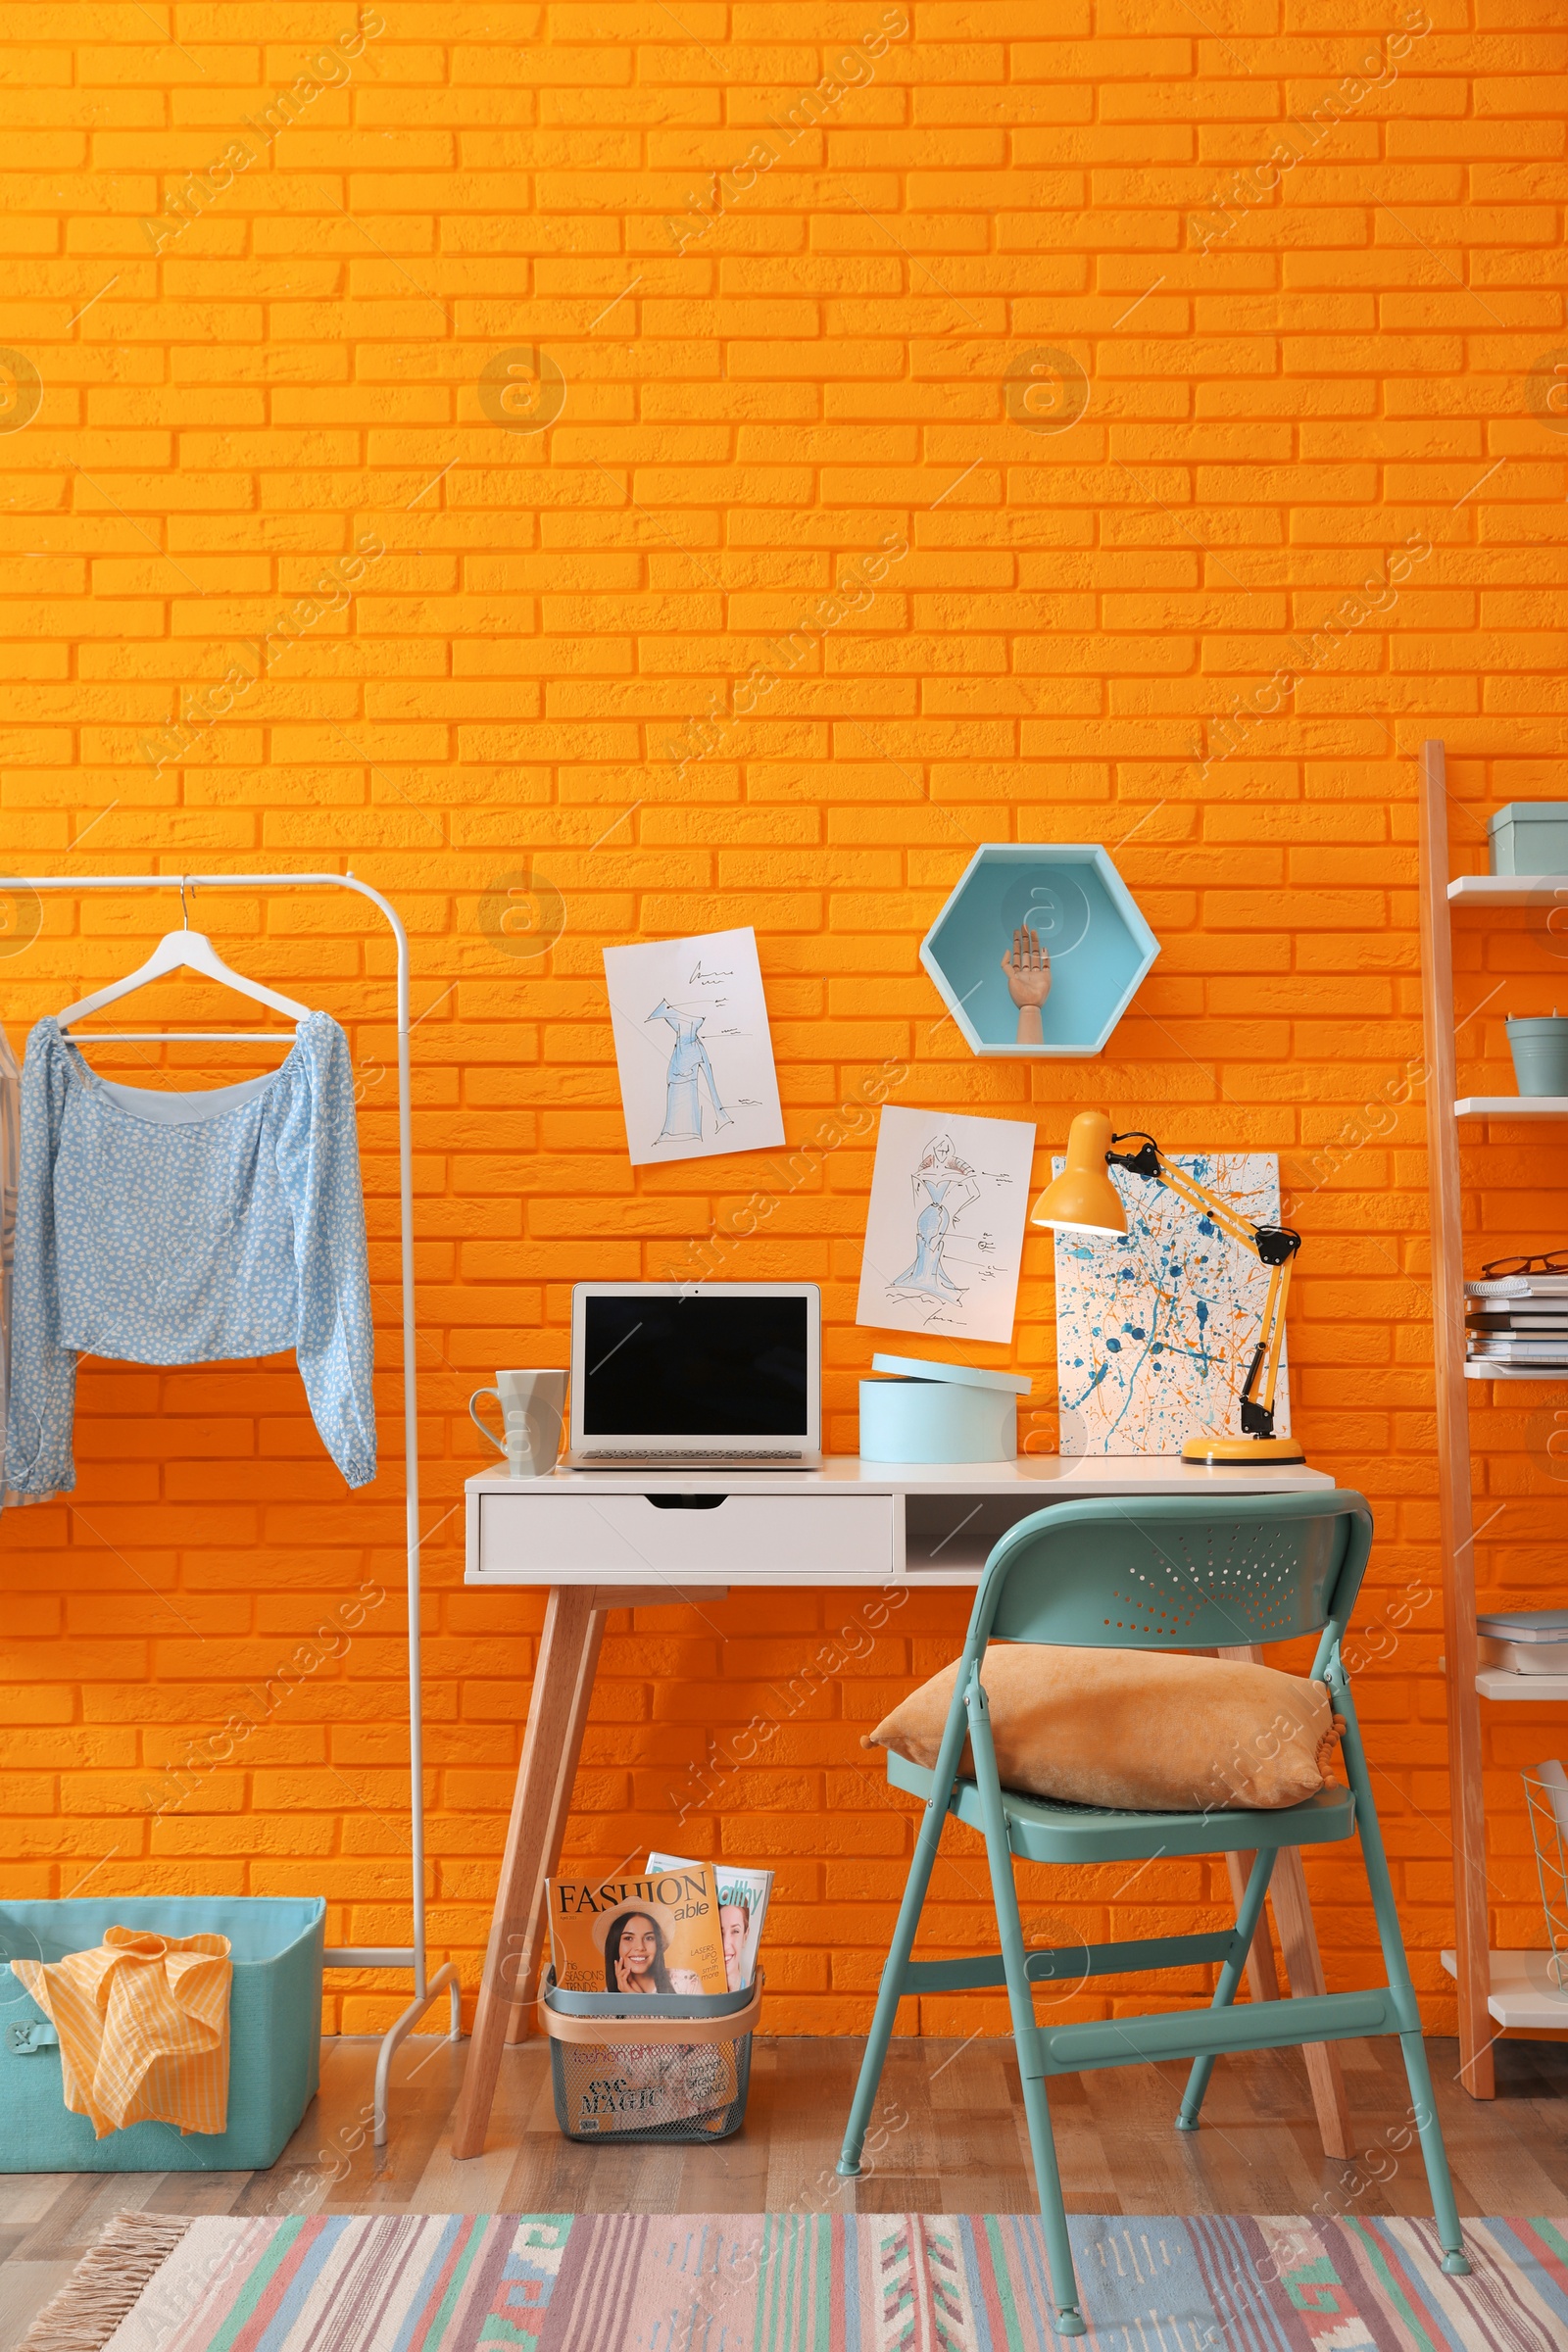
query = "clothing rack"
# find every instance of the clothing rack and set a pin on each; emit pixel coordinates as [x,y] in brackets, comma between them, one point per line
[426,1987]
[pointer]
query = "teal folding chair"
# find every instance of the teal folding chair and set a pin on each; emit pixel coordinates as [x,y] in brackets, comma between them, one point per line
[1178,1572]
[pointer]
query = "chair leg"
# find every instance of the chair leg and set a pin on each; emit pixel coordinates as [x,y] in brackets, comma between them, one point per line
[1293,1914]
[1385,1911]
[1053,2210]
[1439,2180]
[1230,1975]
[1262,1977]
[891,1990]
[1025,2032]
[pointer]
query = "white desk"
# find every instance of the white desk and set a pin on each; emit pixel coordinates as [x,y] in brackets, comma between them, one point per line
[638,1539]
[848,1522]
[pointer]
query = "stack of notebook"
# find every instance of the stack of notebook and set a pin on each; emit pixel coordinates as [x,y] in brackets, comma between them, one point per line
[1519,1319]
[1524,1641]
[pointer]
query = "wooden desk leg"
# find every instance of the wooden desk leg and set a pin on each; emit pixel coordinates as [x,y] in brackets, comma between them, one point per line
[567,1634]
[526,1974]
[604,1597]
[1262,1978]
[1292,1913]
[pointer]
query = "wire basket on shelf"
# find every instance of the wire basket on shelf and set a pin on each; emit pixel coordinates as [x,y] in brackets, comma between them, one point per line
[1547,1794]
[679,2068]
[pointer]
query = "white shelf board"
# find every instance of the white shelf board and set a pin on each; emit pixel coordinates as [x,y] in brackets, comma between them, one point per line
[1522,1994]
[1479,1371]
[1496,1681]
[1504,890]
[1511,1107]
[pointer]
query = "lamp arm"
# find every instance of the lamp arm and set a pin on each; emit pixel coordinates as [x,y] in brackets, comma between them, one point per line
[1258,1410]
[1151,1163]
[1274,1333]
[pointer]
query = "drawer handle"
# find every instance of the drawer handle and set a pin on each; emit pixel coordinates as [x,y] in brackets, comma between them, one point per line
[685,1502]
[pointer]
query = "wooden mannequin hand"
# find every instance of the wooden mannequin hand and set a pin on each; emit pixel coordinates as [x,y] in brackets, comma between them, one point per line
[1028,970]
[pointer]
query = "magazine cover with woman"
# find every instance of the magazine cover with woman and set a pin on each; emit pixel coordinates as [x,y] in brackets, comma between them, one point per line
[658,1934]
[742,1908]
[648,1936]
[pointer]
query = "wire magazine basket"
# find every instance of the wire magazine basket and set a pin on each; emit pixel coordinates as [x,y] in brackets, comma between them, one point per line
[678,2069]
[1547,1794]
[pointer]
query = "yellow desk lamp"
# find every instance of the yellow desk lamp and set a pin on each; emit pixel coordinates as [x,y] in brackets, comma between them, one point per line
[1083,1200]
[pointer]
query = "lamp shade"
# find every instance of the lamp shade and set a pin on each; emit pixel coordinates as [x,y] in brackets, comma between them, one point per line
[1083,1199]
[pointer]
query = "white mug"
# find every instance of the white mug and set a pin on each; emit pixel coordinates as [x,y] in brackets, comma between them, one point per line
[533,1407]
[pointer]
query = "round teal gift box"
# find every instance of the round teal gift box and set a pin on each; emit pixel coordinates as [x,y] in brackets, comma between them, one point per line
[932,1413]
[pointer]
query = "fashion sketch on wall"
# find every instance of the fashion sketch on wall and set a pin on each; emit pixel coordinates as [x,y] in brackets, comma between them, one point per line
[1156,1328]
[943,1186]
[945,1226]
[692,1051]
[689,1073]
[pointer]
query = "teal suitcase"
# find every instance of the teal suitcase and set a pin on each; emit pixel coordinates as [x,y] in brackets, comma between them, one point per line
[274,2021]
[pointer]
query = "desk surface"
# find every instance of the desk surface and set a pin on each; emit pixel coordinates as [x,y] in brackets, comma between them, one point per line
[1060,1472]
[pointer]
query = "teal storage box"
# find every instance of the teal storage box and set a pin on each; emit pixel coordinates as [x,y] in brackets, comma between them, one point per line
[1529,837]
[275,2019]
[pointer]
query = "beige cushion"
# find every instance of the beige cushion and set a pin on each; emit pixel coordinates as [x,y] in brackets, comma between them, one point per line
[1141,1731]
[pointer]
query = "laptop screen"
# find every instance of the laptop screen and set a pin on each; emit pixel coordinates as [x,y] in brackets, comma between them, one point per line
[700,1365]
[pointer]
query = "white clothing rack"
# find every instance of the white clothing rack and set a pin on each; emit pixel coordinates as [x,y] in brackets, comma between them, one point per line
[426,1989]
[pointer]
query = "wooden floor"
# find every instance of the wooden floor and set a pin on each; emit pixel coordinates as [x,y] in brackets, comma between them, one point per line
[949,2137]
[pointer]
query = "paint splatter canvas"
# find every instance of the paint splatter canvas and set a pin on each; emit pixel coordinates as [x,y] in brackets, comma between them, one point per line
[1156,1329]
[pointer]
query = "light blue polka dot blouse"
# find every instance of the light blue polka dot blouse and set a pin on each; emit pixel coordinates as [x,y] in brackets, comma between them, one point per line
[177,1229]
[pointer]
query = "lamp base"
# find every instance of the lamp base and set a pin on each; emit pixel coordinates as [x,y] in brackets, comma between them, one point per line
[1244,1453]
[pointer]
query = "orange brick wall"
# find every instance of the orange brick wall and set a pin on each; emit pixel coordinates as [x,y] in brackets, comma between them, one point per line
[790,267]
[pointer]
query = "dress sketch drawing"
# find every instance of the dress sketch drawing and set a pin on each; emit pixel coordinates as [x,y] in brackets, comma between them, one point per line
[949,1185]
[689,1068]
[693,1055]
[956,1187]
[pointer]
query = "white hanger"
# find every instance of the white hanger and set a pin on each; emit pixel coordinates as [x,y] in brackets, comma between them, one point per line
[191,951]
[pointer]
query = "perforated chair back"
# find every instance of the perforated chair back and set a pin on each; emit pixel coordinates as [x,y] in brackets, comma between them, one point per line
[1177,1572]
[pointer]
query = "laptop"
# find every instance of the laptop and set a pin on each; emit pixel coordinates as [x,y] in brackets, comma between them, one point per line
[724,1376]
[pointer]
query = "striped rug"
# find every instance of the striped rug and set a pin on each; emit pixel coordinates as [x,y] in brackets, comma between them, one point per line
[801,2283]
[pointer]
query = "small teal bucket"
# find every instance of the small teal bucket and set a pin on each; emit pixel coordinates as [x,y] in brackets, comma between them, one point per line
[274,2020]
[1539,1050]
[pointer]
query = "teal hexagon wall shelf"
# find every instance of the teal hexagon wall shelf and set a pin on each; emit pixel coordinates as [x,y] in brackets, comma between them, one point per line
[1071,894]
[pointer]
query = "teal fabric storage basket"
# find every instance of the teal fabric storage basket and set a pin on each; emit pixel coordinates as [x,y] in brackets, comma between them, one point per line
[274,2021]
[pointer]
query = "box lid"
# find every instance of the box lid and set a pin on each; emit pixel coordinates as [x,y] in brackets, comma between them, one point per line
[1551,812]
[957,1376]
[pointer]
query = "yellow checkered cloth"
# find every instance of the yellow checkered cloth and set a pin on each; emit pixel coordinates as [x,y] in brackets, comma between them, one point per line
[143,2026]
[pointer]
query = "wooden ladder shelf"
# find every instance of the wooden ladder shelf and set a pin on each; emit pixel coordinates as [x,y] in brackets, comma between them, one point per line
[1494,1988]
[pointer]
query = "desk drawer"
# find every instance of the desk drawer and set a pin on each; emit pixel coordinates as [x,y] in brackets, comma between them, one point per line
[561,1539]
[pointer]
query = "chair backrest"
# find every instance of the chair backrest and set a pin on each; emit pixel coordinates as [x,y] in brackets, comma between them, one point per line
[1176,1571]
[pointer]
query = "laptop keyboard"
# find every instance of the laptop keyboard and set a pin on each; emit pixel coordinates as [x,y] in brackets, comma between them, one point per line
[689,1453]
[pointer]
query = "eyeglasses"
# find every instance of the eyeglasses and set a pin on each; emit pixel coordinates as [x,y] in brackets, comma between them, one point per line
[1544,1261]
